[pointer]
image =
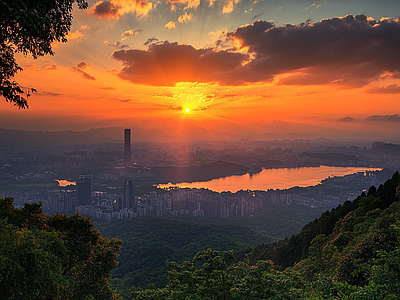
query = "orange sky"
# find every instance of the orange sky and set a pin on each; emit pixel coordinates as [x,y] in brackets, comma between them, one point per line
[237,65]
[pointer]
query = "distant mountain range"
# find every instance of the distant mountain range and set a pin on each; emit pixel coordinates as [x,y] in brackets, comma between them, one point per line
[190,133]
[385,149]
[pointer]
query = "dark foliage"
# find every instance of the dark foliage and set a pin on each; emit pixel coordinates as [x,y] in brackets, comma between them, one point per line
[29,27]
[293,250]
[57,257]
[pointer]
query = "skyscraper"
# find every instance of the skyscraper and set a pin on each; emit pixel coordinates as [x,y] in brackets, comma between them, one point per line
[128,201]
[127,148]
[83,191]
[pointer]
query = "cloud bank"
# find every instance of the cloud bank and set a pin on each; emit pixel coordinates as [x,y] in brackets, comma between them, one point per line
[346,119]
[384,118]
[350,51]
[168,63]
[389,89]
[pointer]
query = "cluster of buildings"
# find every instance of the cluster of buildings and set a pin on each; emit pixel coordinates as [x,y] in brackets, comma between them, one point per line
[196,203]
[367,178]
[108,206]
[192,202]
[124,203]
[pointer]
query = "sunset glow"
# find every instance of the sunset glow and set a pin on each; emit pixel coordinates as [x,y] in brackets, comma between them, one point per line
[326,68]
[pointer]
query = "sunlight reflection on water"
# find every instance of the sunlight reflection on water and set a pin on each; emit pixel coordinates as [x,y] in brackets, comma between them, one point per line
[65,182]
[283,178]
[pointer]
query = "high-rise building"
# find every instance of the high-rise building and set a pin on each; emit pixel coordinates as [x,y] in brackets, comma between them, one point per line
[128,200]
[127,147]
[83,191]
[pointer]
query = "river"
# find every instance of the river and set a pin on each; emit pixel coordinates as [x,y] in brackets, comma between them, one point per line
[62,182]
[283,178]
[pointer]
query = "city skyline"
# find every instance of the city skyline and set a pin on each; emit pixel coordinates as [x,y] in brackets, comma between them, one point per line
[243,67]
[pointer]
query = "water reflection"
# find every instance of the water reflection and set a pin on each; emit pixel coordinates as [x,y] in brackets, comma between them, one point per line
[65,182]
[283,178]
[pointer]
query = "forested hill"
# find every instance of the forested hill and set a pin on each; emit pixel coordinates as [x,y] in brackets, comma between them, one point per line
[289,251]
[351,252]
[149,242]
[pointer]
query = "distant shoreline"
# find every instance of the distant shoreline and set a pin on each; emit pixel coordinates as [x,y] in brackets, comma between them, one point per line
[233,184]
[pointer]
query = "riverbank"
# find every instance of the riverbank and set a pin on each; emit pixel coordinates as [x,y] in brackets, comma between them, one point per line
[280,178]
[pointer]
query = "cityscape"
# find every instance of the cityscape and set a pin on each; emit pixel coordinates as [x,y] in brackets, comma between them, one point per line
[199,149]
[112,187]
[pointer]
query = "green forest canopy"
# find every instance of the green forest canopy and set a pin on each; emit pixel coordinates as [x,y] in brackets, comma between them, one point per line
[56,257]
[351,252]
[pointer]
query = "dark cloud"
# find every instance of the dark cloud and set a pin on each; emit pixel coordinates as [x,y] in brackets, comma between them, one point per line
[86,75]
[396,74]
[116,8]
[116,44]
[151,41]
[82,65]
[384,118]
[105,9]
[167,63]
[346,119]
[357,76]
[79,68]
[44,93]
[52,67]
[389,89]
[350,51]
[257,16]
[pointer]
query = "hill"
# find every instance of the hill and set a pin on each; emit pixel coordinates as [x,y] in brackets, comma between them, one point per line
[43,139]
[277,221]
[286,253]
[351,252]
[149,242]
[385,149]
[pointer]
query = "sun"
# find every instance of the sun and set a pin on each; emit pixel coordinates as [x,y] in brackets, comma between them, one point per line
[186,110]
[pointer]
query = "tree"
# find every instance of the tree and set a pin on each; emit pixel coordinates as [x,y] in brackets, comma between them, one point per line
[29,27]
[31,263]
[57,257]
[212,275]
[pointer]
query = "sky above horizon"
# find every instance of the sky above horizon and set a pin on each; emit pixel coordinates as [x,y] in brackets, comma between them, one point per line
[327,67]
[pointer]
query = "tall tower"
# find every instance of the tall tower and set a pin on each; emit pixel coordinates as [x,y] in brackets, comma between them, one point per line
[128,201]
[127,147]
[83,191]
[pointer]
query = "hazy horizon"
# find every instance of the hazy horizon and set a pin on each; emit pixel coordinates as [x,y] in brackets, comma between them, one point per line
[187,135]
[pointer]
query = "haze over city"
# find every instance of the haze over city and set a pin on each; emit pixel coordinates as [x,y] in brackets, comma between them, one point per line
[316,68]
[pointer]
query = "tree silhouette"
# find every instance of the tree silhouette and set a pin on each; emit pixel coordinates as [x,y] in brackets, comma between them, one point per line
[29,27]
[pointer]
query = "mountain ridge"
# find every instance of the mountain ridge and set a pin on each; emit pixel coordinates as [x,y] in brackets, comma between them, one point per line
[189,133]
